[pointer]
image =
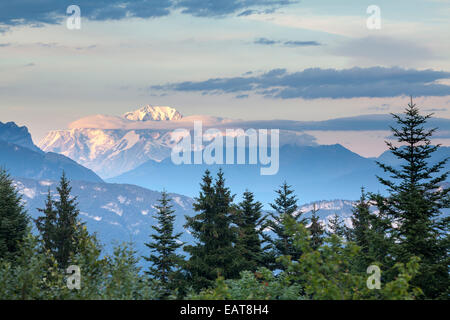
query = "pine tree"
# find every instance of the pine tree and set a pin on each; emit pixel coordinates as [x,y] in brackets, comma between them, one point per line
[360,233]
[67,227]
[165,261]
[371,232]
[46,224]
[415,200]
[214,254]
[126,281]
[336,226]
[13,218]
[249,221]
[316,229]
[285,207]
[361,223]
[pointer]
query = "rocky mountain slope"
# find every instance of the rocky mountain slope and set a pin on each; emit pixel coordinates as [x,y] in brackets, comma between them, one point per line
[115,212]
[23,159]
[20,136]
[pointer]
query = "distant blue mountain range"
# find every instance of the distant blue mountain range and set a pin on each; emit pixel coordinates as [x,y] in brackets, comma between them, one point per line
[115,212]
[120,211]
[315,172]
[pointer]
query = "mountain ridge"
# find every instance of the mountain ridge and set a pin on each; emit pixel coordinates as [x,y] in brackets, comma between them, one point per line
[22,158]
[153,113]
[18,135]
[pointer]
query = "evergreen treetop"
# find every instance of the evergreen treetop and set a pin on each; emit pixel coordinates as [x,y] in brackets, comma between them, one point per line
[214,253]
[415,200]
[249,224]
[165,261]
[13,218]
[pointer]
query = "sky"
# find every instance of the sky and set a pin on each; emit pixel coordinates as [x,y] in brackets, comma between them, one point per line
[244,59]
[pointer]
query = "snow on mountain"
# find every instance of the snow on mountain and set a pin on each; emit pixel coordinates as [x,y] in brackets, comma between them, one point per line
[116,212]
[112,145]
[326,209]
[343,206]
[122,212]
[156,113]
[109,152]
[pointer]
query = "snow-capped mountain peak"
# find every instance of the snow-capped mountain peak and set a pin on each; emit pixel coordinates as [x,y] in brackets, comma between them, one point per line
[153,113]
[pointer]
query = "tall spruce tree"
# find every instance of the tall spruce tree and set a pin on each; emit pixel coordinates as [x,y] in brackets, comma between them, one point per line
[67,227]
[249,221]
[359,232]
[336,226]
[46,224]
[316,229]
[214,253]
[281,244]
[165,261]
[415,200]
[371,231]
[13,218]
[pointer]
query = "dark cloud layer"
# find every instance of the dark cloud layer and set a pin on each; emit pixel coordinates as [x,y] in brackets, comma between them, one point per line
[359,123]
[33,12]
[205,8]
[291,43]
[53,11]
[324,83]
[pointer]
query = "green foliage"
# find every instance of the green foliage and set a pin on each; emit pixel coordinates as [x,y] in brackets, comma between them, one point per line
[124,280]
[285,207]
[319,274]
[401,287]
[13,218]
[326,272]
[415,201]
[47,224]
[36,274]
[214,254]
[31,276]
[316,229]
[93,268]
[165,262]
[259,285]
[59,225]
[249,224]
[372,233]
[336,226]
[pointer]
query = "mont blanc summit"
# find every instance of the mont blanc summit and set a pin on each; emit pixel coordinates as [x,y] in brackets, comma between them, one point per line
[153,113]
[112,150]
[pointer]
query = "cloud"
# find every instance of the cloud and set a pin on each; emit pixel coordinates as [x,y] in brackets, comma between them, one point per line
[301,43]
[266,41]
[47,45]
[37,13]
[33,12]
[220,8]
[324,83]
[358,123]
[291,43]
